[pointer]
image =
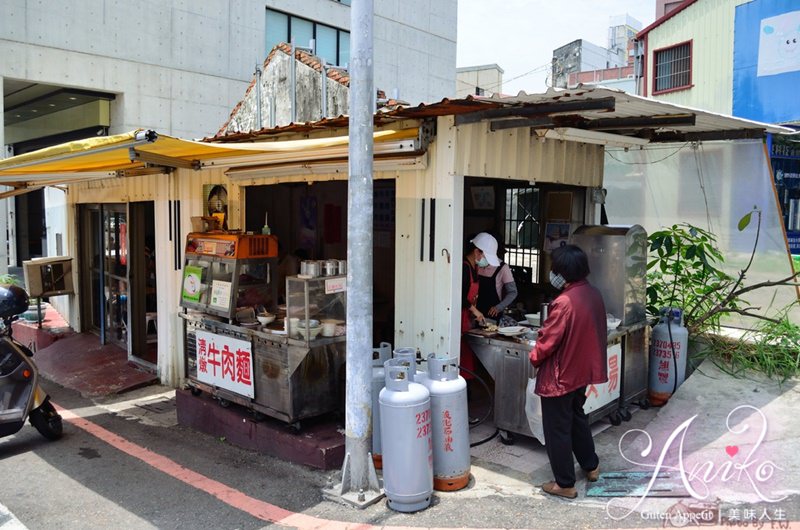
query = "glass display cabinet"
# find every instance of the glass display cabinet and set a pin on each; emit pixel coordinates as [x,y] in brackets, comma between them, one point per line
[316,308]
[225,273]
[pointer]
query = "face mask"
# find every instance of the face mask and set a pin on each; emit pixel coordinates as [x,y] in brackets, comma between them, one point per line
[483,262]
[557,281]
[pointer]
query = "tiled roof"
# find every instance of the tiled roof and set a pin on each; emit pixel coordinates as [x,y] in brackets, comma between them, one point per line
[340,75]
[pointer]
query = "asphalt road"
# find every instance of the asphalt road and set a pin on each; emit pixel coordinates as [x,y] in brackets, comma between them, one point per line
[196,481]
[83,482]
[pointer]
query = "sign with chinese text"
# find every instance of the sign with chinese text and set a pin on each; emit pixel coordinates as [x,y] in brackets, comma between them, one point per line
[598,396]
[225,362]
[220,294]
[336,285]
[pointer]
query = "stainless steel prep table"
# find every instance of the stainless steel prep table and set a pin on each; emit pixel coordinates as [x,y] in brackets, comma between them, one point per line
[507,361]
[293,379]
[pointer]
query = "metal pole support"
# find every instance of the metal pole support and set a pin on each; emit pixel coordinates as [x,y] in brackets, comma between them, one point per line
[359,486]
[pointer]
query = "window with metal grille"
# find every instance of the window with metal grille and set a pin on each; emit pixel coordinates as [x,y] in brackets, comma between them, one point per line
[521,232]
[673,68]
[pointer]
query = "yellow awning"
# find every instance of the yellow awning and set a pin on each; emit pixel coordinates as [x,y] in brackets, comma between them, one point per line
[98,157]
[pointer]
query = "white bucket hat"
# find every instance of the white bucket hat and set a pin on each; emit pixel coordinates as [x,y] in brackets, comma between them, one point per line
[488,245]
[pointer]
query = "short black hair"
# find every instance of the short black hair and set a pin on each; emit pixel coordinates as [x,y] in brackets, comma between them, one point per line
[570,262]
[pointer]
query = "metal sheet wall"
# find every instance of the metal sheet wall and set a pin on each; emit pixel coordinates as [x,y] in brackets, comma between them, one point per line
[428,240]
[709,26]
[515,154]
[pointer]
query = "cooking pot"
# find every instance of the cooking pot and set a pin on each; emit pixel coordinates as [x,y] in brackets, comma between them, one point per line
[331,267]
[310,268]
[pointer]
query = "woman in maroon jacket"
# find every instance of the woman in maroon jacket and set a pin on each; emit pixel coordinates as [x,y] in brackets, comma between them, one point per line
[570,354]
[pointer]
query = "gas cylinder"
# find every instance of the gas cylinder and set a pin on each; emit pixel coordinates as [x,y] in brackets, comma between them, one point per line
[409,356]
[449,423]
[380,355]
[406,435]
[667,373]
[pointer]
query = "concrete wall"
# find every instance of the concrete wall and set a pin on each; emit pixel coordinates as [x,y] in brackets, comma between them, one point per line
[488,77]
[276,97]
[176,66]
[415,42]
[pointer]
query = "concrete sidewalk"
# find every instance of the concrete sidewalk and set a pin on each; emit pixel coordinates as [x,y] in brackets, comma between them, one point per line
[8,521]
[732,439]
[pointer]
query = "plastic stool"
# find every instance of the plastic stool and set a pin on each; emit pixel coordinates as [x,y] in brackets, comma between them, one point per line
[151,318]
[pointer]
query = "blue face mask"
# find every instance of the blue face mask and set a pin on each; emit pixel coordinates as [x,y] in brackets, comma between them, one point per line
[557,281]
[483,262]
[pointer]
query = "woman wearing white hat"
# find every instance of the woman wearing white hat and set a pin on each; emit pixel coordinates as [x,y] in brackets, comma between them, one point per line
[497,288]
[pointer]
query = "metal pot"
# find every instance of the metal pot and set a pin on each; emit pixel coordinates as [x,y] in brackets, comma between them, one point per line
[331,267]
[310,268]
[342,266]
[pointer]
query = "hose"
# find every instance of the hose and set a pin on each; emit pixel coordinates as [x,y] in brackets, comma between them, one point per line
[488,413]
[674,355]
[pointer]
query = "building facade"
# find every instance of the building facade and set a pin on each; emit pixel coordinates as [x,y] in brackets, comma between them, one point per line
[483,80]
[78,69]
[415,41]
[738,57]
[580,61]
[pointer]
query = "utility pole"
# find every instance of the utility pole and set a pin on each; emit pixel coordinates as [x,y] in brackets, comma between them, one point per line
[359,486]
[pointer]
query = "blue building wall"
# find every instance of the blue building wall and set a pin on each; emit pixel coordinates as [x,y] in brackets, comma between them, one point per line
[766,61]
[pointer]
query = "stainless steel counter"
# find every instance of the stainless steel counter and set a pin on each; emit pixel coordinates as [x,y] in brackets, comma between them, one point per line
[293,379]
[507,359]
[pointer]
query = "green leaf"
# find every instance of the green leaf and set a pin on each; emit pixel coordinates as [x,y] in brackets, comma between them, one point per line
[744,221]
[668,244]
[656,244]
[691,251]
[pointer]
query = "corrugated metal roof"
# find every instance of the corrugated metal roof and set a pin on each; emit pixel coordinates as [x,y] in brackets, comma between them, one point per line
[593,108]
[390,113]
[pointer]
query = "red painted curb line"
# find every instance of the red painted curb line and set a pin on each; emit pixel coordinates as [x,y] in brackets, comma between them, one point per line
[230,496]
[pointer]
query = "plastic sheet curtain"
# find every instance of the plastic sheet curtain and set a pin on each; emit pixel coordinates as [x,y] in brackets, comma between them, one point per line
[710,185]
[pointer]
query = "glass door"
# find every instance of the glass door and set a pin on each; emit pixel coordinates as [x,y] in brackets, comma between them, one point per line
[105,248]
[115,274]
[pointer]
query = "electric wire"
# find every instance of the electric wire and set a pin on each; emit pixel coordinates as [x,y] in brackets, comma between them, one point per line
[678,150]
[698,160]
[490,88]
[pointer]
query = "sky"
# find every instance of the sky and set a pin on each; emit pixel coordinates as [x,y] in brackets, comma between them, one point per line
[520,35]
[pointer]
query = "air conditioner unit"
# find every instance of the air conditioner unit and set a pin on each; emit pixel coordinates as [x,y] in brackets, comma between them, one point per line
[48,276]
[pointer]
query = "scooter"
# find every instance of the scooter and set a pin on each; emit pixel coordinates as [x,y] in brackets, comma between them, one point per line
[21,396]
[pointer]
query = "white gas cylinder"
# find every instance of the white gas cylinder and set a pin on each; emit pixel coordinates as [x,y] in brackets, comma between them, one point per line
[380,355]
[450,424]
[669,346]
[406,435]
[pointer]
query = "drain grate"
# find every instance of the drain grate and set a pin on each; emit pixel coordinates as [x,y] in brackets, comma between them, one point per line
[635,484]
[158,407]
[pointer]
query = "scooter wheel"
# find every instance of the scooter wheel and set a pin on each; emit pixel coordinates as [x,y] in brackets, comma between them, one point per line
[47,421]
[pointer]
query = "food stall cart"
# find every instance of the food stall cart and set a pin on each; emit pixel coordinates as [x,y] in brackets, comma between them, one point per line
[289,364]
[617,259]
